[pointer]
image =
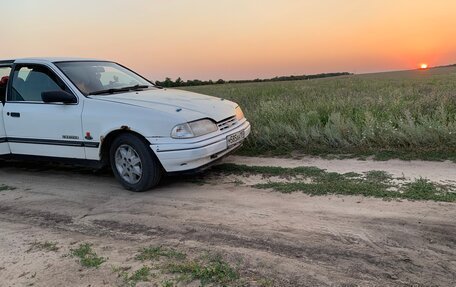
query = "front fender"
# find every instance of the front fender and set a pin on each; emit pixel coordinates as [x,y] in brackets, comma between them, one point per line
[101,118]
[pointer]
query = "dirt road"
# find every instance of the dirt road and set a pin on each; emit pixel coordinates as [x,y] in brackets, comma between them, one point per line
[275,239]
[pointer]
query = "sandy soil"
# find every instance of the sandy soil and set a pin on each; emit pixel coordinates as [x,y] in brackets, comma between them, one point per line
[291,239]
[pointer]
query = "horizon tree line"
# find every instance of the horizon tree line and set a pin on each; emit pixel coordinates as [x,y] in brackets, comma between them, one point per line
[168,82]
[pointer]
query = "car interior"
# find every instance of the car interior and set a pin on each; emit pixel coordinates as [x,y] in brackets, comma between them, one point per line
[36,81]
[87,79]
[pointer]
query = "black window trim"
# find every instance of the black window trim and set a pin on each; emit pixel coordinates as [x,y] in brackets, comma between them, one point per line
[6,64]
[97,61]
[49,68]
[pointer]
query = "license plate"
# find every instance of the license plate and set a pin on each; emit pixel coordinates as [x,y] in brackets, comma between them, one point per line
[235,138]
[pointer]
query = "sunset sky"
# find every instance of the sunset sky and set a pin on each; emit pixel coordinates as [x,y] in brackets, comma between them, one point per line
[235,39]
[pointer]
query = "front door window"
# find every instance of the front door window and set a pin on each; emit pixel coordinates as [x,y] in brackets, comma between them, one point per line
[30,81]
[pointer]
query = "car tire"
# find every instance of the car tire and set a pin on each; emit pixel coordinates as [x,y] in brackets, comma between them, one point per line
[134,164]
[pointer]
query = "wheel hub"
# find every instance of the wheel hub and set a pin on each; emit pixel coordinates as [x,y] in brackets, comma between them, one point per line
[128,164]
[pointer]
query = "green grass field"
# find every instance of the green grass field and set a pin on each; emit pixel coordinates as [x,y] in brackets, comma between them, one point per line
[410,114]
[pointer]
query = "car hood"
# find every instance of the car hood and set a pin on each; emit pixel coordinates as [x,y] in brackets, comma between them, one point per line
[191,106]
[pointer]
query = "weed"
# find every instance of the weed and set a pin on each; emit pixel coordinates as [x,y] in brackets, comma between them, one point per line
[155,252]
[265,282]
[87,257]
[168,283]
[141,275]
[378,176]
[424,189]
[352,175]
[120,269]
[344,187]
[417,190]
[4,187]
[374,183]
[212,269]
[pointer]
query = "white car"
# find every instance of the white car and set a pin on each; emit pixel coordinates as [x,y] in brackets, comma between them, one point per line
[102,113]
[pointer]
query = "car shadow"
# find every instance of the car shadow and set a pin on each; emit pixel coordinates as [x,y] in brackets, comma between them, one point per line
[69,169]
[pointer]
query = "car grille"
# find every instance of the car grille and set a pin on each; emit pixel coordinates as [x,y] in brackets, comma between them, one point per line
[227,123]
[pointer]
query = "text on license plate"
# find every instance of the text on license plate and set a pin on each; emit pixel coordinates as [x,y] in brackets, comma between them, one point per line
[235,138]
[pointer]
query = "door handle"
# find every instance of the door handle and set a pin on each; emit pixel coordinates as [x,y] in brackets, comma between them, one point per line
[14,114]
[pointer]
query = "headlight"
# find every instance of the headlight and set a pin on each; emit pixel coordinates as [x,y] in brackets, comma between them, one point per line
[182,131]
[239,113]
[203,127]
[194,129]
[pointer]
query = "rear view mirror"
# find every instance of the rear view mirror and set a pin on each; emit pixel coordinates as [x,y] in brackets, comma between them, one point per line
[98,69]
[58,97]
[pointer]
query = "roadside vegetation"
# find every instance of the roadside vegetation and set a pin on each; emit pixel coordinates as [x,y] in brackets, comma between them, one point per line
[173,267]
[392,115]
[315,181]
[142,274]
[156,252]
[4,187]
[208,269]
[87,256]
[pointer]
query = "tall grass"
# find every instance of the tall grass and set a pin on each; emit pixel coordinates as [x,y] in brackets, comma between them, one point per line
[410,111]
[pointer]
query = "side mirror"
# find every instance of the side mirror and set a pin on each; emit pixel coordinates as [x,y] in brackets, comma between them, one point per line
[58,97]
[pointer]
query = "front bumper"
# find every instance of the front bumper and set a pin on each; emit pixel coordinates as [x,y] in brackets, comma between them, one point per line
[176,156]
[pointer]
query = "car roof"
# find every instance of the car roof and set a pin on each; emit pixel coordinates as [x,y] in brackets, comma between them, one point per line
[48,60]
[6,62]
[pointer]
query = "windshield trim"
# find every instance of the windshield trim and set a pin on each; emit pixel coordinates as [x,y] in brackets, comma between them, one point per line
[98,61]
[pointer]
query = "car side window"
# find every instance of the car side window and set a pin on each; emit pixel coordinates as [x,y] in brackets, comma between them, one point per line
[4,71]
[29,81]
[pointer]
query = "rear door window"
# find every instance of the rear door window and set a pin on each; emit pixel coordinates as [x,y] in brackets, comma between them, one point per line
[30,81]
[5,71]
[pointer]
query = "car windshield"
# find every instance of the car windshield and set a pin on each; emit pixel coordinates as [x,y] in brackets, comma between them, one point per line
[98,78]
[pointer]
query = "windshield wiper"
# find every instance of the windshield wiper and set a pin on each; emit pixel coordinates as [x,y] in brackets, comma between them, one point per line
[118,90]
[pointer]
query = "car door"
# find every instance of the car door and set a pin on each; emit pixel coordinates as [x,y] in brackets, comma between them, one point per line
[37,128]
[5,70]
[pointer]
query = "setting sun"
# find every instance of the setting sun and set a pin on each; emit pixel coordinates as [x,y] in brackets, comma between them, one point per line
[424,66]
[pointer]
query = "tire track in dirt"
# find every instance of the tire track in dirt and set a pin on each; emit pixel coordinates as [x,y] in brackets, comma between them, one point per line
[297,239]
[336,252]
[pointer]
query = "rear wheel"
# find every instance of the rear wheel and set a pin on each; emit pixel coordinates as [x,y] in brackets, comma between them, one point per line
[134,164]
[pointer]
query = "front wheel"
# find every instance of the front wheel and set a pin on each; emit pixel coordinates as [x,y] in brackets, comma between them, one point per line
[134,164]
